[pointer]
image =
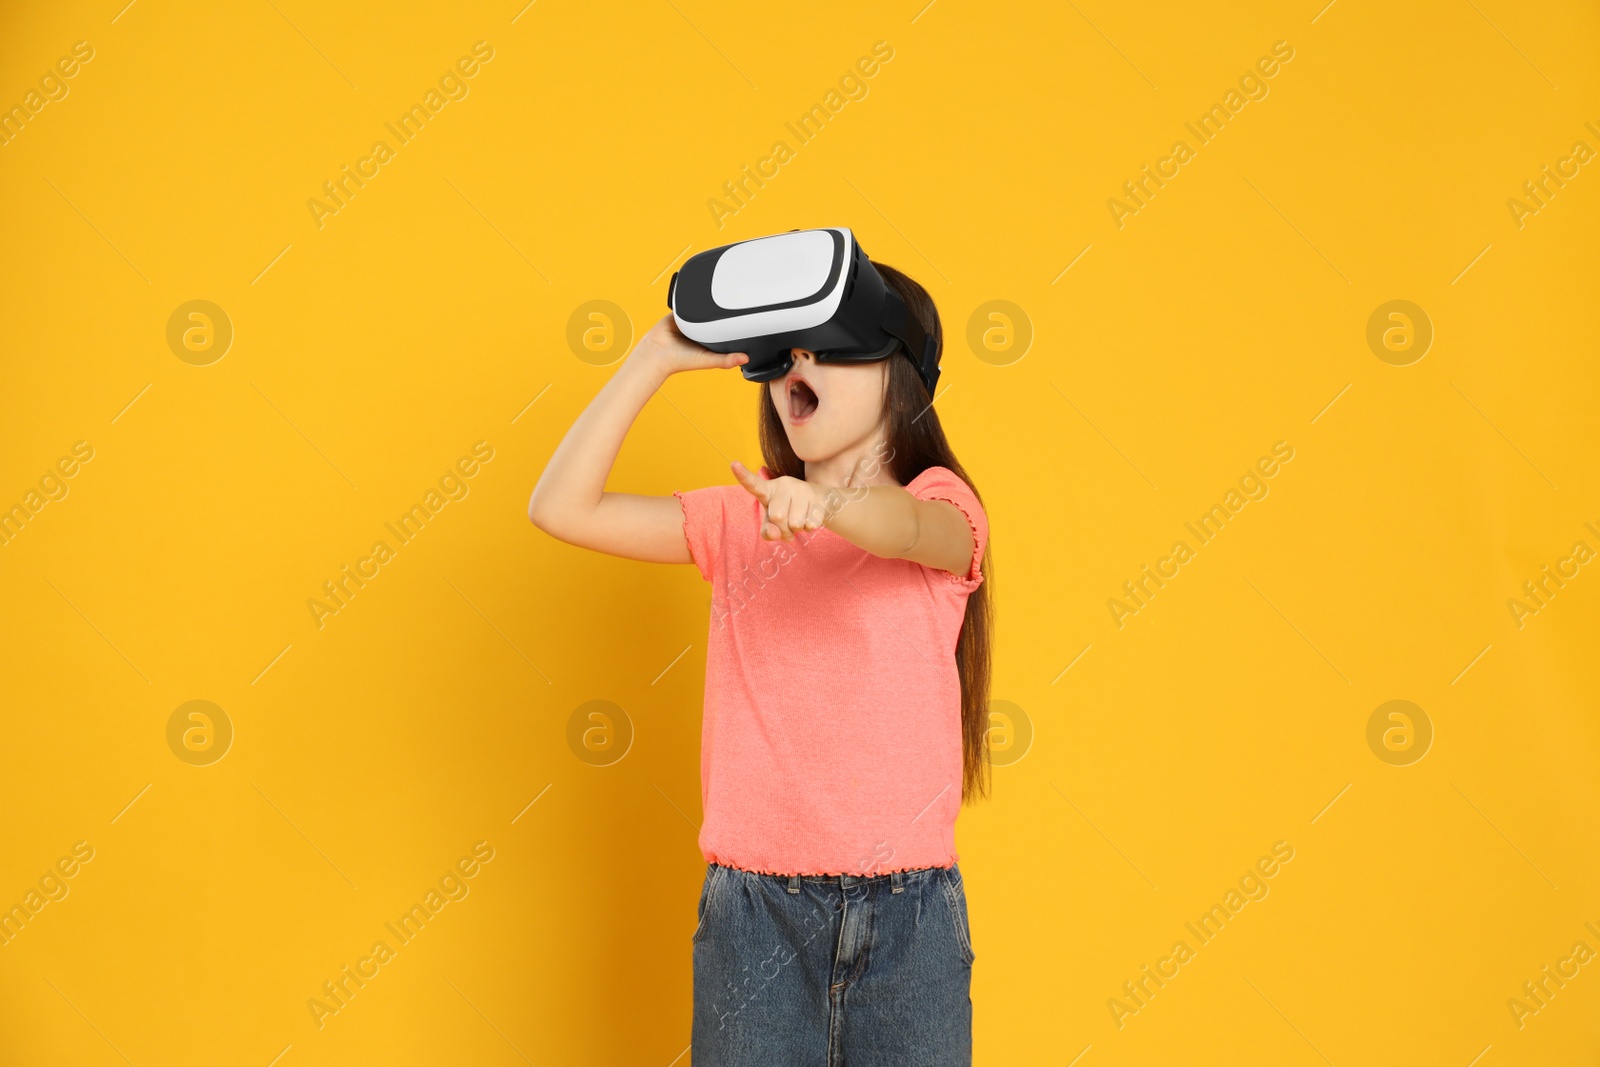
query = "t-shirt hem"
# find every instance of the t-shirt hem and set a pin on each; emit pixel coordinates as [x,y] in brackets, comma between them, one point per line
[805,872]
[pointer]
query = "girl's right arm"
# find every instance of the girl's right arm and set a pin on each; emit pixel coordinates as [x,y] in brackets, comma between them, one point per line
[571,504]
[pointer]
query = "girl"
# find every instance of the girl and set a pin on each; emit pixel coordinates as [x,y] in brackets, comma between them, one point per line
[847,682]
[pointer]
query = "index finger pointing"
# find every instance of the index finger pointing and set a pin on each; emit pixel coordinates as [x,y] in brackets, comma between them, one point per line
[756,486]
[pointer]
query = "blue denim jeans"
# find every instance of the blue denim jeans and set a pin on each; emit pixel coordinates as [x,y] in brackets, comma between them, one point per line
[832,971]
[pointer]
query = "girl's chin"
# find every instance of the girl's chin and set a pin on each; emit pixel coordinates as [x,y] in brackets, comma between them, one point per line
[805,449]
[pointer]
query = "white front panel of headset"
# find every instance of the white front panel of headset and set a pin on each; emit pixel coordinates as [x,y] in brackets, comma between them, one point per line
[773,270]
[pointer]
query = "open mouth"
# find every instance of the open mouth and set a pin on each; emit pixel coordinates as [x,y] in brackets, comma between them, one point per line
[802,401]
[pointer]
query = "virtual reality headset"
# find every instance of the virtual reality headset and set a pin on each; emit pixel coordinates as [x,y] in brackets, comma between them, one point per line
[810,289]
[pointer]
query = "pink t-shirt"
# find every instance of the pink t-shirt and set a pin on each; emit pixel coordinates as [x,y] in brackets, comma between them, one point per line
[831,740]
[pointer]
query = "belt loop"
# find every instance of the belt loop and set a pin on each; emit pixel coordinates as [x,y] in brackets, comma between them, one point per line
[897,879]
[794,883]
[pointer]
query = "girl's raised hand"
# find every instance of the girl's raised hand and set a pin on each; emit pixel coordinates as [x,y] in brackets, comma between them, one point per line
[791,503]
[664,350]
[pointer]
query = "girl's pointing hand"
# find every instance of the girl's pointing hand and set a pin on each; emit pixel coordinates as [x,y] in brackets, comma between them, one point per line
[791,503]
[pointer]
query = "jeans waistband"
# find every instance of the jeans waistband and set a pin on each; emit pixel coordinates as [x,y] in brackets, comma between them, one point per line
[791,882]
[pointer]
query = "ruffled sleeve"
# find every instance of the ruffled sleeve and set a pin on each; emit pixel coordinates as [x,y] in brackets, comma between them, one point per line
[941,483]
[702,526]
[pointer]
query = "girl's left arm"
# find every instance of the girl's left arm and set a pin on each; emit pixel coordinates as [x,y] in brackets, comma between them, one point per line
[885,520]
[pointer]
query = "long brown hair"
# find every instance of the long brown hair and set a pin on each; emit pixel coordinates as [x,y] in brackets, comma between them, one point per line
[916,442]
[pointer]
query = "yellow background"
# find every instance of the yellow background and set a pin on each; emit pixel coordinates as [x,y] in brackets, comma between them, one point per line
[432,310]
